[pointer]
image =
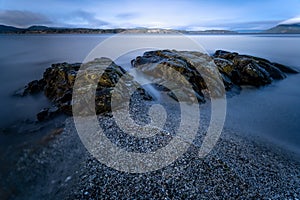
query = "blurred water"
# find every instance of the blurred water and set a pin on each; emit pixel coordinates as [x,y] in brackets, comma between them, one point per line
[272,112]
[141,78]
[24,58]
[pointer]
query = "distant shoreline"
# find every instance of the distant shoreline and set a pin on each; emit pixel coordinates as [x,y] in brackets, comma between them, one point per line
[158,34]
[36,29]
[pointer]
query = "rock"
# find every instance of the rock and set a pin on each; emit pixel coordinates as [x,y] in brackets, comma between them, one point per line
[235,70]
[58,81]
[285,69]
[248,70]
[33,87]
[47,113]
[68,178]
[225,54]
[158,65]
[43,114]
[107,84]
[169,70]
[226,70]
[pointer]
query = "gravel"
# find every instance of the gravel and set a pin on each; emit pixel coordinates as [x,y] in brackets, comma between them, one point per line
[237,168]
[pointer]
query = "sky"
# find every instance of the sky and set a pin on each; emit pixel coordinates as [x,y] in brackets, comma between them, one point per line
[173,14]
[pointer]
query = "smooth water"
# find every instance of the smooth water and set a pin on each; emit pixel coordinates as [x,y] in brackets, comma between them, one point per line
[24,58]
[272,112]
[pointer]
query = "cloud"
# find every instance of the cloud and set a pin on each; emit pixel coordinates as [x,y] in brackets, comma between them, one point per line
[293,20]
[128,15]
[177,14]
[253,25]
[82,18]
[23,18]
[233,25]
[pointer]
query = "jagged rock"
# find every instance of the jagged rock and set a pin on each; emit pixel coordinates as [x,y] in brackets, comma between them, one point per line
[58,81]
[33,87]
[235,70]
[169,69]
[107,84]
[156,64]
[42,115]
[285,69]
[47,113]
[249,70]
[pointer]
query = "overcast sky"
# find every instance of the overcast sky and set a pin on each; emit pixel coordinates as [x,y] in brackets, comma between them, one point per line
[189,15]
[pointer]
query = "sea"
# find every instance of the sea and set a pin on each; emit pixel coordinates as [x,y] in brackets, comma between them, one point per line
[271,113]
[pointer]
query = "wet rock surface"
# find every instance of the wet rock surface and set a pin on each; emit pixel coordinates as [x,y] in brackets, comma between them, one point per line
[248,70]
[58,81]
[173,68]
[180,72]
[235,70]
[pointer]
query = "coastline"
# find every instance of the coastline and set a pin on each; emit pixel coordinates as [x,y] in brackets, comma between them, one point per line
[240,166]
[60,167]
[158,100]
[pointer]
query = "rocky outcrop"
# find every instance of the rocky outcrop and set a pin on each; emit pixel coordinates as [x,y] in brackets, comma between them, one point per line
[31,88]
[171,70]
[58,81]
[195,67]
[235,70]
[249,70]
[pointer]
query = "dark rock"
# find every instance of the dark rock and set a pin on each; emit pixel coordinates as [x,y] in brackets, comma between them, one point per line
[250,73]
[285,69]
[66,108]
[59,79]
[274,72]
[225,54]
[43,114]
[234,70]
[47,113]
[107,84]
[227,82]
[163,67]
[58,82]
[155,64]
[248,70]
[33,87]
[227,71]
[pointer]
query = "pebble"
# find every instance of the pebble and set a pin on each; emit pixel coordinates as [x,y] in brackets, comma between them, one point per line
[68,178]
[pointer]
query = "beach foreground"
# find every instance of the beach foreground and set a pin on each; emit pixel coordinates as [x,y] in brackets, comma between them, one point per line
[237,168]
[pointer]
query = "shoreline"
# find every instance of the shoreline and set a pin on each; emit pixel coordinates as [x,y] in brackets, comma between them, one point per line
[239,166]
[62,168]
[59,167]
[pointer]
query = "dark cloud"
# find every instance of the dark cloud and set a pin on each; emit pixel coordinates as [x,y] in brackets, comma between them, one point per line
[127,15]
[87,19]
[23,18]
